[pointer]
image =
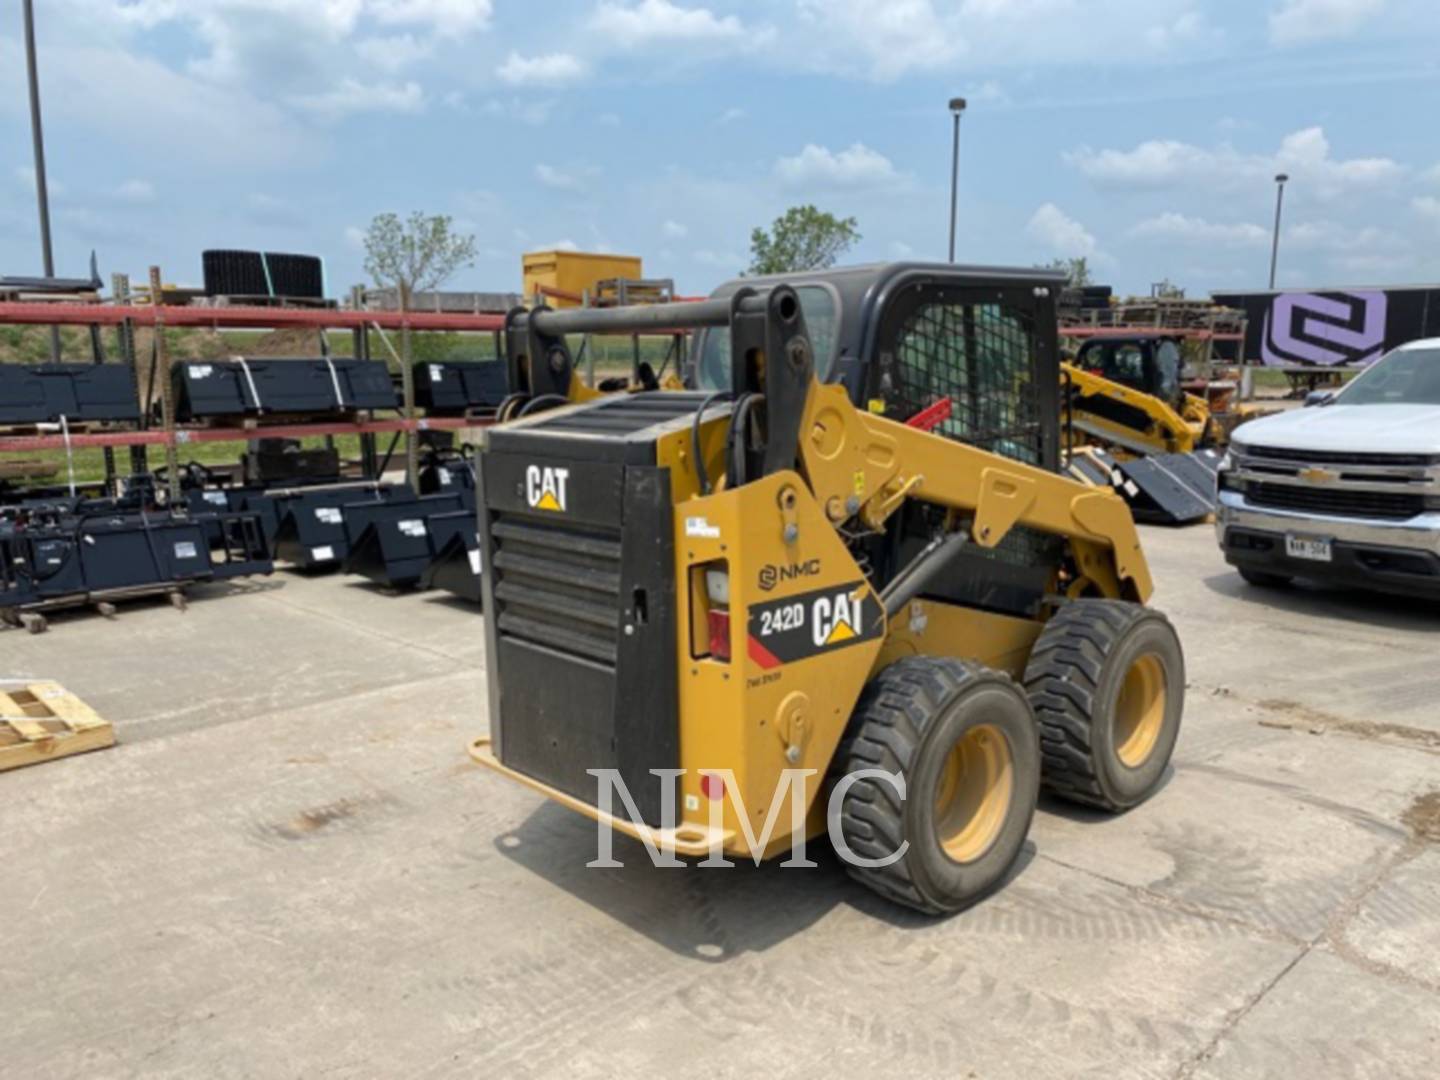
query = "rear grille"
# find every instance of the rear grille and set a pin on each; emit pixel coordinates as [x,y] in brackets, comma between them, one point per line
[1317,457]
[557,586]
[1336,501]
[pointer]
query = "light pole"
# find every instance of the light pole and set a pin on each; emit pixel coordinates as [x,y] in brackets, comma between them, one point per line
[957,106]
[42,192]
[1280,179]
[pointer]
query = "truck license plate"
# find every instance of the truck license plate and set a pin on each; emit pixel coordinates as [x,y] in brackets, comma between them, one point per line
[1315,549]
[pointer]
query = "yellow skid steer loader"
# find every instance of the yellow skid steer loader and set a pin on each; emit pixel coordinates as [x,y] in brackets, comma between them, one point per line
[844,565]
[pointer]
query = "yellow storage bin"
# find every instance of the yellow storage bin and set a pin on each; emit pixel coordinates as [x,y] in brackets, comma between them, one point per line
[562,277]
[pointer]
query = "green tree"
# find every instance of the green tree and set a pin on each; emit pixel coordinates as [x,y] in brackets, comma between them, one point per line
[1078,270]
[419,253]
[803,238]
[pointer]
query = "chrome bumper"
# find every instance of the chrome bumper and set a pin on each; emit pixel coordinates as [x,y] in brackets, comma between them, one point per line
[1420,533]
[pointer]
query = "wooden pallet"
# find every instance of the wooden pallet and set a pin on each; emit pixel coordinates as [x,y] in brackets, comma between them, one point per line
[42,720]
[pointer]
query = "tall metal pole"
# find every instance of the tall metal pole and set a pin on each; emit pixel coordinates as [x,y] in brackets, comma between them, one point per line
[957,106]
[42,191]
[1275,238]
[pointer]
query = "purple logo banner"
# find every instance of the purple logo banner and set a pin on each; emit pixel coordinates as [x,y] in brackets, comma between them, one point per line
[1324,329]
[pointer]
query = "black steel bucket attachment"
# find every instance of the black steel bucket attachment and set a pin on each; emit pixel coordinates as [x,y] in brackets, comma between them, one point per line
[456,565]
[311,533]
[43,393]
[1163,489]
[302,386]
[63,556]
[390,543]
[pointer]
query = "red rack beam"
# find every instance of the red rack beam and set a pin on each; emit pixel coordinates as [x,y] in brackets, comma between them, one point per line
[189,436]
[240,317]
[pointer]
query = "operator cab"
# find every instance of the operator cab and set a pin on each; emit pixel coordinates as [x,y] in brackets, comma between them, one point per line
[902,337]
[1150,364]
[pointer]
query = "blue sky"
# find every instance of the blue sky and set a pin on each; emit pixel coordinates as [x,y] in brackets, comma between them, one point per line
[1141,133]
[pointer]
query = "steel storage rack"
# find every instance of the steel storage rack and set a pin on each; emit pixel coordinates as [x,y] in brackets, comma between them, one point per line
[164,430]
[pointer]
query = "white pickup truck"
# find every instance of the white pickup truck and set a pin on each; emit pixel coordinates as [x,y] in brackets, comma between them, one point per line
[1345,490]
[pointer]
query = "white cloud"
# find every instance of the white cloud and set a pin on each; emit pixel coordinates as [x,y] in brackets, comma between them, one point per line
[1331,236]
[894,37]
[156,102]
[522,109]
[608,119]
[1299,21]
[136,191]
[857,166]
[355,237]
[1153,163]
[653,21]
[552,69]
[558,245]
[674,230]
[442,16]
[1179,228]
[1187,29]
[900,250]
[352,96]
[732,114]
[1428,207]
[1061,235]
[1304,155]
[885,41]
[395,53]
[555,178]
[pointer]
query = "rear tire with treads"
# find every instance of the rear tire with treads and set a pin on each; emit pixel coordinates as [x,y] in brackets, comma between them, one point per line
[963,740]
[1107,681]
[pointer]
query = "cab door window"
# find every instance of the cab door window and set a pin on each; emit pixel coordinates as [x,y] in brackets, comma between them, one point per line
[980,355]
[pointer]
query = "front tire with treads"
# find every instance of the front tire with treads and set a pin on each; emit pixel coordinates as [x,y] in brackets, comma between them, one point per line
[962,739]
[1107,681]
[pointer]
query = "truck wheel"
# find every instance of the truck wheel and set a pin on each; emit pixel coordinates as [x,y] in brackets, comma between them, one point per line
[962,740]
[1107,682]
[1261,580]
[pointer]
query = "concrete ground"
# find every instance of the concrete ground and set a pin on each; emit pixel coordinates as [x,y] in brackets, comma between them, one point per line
[289,868]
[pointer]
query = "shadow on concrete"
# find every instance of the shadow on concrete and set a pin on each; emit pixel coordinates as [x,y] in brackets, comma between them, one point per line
[706,914]
[450,600]
[1314,599]
[1089,815]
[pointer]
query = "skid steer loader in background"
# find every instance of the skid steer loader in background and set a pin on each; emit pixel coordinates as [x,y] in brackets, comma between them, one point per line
[1130,423]
[847,552]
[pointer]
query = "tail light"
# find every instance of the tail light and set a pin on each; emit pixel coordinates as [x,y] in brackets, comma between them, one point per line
[717,591]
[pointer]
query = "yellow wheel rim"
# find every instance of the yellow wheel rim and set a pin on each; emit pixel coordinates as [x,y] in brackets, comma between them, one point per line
[1140,711]
[973,793]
